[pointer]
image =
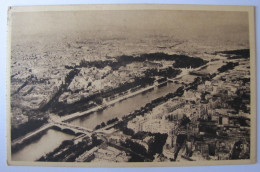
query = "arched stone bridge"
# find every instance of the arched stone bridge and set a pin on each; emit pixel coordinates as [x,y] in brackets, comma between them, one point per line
[71,129]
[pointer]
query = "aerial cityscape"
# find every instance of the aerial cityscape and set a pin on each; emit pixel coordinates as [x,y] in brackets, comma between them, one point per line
[125,86]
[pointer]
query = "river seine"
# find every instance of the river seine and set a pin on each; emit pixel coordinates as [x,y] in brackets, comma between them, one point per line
[124,107]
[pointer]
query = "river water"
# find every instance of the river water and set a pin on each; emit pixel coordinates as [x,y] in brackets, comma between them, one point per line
[47,143]
[124,107]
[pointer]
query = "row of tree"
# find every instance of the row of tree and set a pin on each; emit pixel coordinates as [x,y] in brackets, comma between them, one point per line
[68,151]
[103,124]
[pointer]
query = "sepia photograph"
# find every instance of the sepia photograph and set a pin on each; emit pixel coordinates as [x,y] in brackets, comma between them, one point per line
[131,85]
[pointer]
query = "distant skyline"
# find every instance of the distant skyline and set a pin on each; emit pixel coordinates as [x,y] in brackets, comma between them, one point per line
[186,25]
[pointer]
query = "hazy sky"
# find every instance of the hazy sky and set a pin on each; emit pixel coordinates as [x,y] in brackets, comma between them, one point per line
[202,25]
